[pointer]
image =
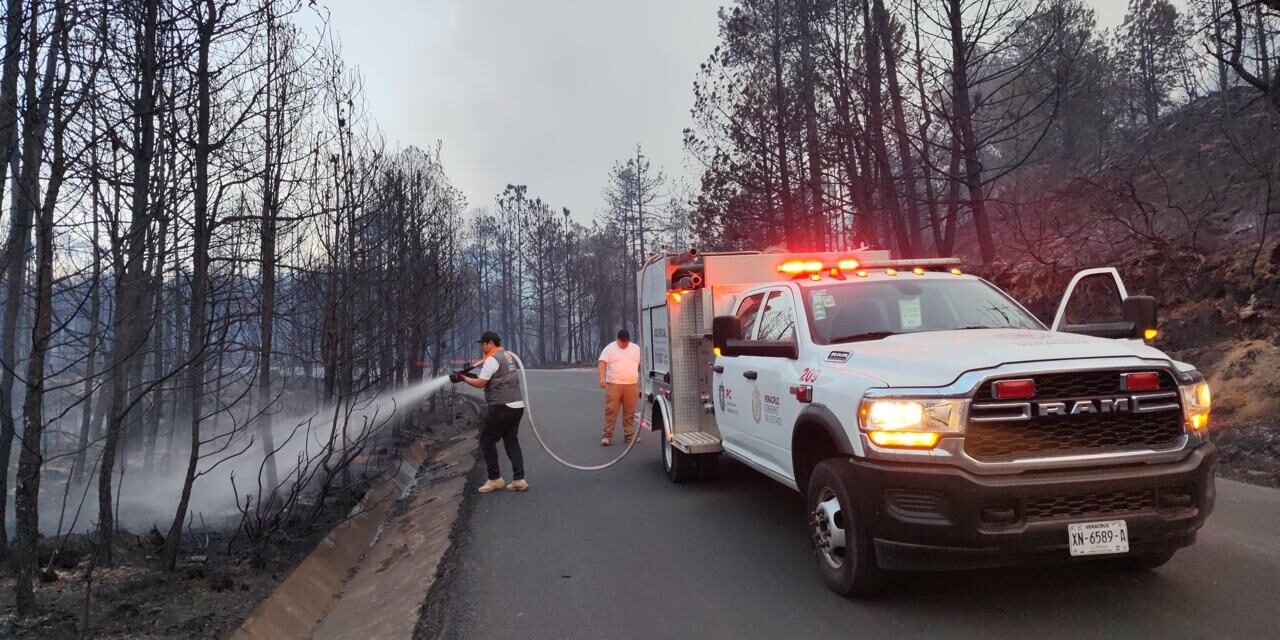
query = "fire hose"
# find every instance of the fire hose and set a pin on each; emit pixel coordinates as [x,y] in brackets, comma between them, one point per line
[524,392]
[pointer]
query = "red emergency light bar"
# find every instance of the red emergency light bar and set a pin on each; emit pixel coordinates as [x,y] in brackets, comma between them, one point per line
[800,267]
[813,268]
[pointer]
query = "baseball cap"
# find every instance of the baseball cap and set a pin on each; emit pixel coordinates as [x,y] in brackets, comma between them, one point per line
[490,336]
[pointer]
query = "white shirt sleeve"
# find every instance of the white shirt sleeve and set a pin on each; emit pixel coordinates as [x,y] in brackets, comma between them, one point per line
[604,354]
[489,368]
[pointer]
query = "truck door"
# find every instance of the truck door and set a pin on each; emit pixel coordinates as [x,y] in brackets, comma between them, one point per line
[731,387]
[774,409]
[1093,296]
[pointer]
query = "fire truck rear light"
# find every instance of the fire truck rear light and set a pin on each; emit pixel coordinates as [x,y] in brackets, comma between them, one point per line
[1149,381]
[848,265]
[1014,389]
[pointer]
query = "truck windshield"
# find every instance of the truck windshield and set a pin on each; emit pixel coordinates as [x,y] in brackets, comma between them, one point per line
[854,311]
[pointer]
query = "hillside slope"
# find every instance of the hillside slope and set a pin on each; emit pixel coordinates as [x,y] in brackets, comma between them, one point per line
[1189,212]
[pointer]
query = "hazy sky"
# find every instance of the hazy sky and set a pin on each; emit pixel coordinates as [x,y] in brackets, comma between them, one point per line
[548,93]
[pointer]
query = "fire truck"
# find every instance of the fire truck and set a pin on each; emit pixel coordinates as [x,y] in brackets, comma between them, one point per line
[929,420]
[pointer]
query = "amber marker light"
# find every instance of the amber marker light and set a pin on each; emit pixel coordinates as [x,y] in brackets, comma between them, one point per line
[892,272]
[862,274]
[955,272]
[1150,334]
[905,439]
[1199,421]
[918,271]
[848,265]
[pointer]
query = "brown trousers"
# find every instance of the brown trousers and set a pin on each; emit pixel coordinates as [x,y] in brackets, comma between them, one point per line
[620,396]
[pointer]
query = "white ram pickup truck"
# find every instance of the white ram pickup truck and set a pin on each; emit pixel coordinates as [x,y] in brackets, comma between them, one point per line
[928,419]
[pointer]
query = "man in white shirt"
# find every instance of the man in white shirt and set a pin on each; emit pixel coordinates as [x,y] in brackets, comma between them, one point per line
[504,396]
[619,377]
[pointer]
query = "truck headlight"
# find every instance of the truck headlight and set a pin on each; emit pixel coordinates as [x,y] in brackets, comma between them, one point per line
[1196,401]
[910,423]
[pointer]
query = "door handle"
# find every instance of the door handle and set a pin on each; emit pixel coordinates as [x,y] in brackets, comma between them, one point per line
[718,368]
[750,375]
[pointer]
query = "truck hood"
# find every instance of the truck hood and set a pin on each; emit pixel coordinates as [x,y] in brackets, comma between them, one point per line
[937,358]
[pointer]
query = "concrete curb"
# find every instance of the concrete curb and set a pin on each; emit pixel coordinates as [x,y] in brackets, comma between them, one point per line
[382,559]
[385,596]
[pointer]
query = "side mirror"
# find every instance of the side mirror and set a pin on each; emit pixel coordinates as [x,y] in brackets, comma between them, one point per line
[1141,311]
[724,329]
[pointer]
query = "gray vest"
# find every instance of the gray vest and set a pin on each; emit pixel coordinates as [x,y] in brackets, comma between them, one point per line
[504,386]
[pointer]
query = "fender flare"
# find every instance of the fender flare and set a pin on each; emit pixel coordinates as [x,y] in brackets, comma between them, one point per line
[822,417]
[663,407]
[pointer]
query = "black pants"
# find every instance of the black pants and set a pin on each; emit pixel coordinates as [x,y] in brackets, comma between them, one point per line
[502,423]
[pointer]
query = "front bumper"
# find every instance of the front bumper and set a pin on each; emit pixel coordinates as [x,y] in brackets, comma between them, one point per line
[928,517]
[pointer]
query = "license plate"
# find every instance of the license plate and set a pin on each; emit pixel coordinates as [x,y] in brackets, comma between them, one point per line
[1098,538]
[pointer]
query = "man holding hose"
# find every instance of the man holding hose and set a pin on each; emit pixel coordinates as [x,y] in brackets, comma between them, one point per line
[500,379]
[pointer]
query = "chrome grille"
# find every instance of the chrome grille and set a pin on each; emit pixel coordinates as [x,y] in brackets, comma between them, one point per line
[1076,384]
[1066,435]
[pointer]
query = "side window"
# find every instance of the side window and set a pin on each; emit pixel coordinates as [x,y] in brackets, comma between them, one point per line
[747,314]
[778,322]
[1095,299]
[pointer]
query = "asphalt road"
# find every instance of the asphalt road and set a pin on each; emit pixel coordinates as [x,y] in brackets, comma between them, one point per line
[626,554]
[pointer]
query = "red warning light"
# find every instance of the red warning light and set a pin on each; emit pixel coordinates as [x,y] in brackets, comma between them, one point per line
[1014,389]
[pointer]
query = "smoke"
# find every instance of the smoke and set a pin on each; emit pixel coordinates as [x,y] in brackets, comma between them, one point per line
[302,438]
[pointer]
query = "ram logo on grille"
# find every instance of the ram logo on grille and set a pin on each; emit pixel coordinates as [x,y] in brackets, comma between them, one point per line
[1077,407]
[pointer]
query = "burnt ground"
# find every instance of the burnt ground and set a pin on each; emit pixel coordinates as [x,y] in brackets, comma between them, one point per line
[215,587]
[1250,452]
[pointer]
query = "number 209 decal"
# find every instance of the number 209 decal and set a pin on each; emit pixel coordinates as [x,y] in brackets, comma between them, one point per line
[810,375]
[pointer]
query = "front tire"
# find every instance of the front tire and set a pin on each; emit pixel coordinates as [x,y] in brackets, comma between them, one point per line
[842,546]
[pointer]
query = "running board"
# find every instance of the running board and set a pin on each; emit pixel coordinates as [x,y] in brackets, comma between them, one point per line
[696,442]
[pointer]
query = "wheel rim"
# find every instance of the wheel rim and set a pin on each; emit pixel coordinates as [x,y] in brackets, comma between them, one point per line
[666,451]
[828,525]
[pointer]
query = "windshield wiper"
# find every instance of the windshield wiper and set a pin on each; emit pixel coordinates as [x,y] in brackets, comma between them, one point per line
[870,335]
